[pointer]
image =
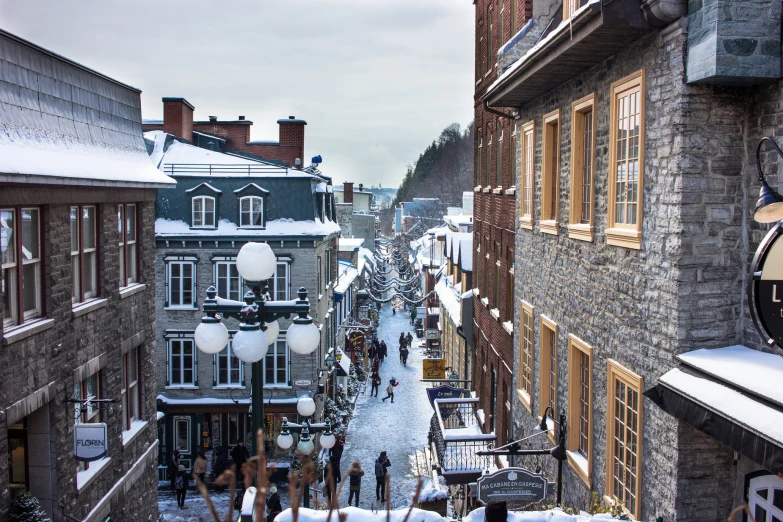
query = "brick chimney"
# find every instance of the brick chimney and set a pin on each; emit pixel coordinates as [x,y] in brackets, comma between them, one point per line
[292,135]
[348,192]
[178,117]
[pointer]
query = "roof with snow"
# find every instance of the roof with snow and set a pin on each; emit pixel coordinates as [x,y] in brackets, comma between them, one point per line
[349,244]
[347,276]
[171,229]
[62,123]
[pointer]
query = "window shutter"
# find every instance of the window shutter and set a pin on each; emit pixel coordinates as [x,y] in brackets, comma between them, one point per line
[195,364]
[214,370]
[195,286]
[168,362]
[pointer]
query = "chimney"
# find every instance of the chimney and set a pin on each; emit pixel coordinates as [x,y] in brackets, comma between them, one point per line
[348,192]
[292,135]
[213,118]
[241,118]
[178,117]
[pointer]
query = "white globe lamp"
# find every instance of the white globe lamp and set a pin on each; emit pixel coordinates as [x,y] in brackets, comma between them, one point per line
[249,344]
[285,440]
[328,440]
[272,332]
[211,335]
[305,446]
[303,338]
[256,262]
[306,406]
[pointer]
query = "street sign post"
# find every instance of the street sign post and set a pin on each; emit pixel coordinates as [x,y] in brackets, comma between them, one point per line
[512,484]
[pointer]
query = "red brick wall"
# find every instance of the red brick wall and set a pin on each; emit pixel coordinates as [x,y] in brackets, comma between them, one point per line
[178,119]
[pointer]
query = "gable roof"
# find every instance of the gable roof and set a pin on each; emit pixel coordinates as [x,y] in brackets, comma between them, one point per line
[205,184]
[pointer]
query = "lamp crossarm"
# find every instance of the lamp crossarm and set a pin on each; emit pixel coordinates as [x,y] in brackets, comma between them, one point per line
[316,427]
[511,451]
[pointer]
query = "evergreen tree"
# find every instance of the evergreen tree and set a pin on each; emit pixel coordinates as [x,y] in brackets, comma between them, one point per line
[26,508]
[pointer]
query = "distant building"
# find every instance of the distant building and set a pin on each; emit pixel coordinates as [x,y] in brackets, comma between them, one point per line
[356,214]
[77,211]
[461,219]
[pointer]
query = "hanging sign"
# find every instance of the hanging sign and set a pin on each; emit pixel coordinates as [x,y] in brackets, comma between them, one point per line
[89,441]
[355,342]
[431,334]
[421,312]
[443,392]
[434,368]
[765,289]
[512,484]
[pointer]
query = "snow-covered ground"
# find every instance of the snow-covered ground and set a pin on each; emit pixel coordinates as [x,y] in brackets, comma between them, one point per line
[400,428]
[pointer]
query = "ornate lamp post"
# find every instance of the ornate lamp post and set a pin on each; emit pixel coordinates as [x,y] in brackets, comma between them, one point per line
[258,317]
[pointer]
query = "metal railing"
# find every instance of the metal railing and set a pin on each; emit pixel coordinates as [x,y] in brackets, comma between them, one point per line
[209,169]
[458,437]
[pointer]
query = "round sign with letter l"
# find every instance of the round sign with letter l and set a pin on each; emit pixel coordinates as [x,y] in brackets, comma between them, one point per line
[765,289]
[90,441]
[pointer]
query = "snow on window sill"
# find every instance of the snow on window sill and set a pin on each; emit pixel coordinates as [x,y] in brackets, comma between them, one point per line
[485,301]
[495,313]
[476,291]
[88,476]
[229,387]
[480,415]
[183,387]
[136,428]
[509,327]
[511,191]
[132,289]
[188,308]
[17,333]
[277,386]
[80,309]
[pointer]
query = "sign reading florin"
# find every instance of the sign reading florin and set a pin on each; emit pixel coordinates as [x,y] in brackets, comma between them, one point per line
[89,441]
[765,289]
[513,485]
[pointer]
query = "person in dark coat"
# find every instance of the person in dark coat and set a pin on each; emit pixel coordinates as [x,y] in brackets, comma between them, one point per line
[383,347]
[496,511]
[409,339]
[181,486]
[402,338]
[376,383]
[239,455]
[372,351]
[273,504]
[404,355]
[174,468]
[382,353]
[355,475]
[382,465]
[221,463]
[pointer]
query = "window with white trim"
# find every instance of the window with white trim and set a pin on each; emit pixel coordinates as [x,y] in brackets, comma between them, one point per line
[280,292]
[129,254]
[131,386]
[84,253]
[182,363]
[251,212]
[87,413]
[203,212]
[21,261]
[765,498]
[182,434]
[228,283]
[276,363]
[181,283]
[229,370]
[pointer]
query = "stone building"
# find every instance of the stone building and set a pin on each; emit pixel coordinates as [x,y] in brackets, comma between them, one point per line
[77,195]
[221,202]
[355,213]
[634,127]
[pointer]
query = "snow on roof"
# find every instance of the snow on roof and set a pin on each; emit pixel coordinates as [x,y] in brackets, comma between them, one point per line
[321,187]
[237,191]
[212,136]
[466,254]
[54,158]
[348,275]
[449,300]
[279,227]
[200,400]
[453,240]
[205,184]
[347,244]
[160,415]
[751,370]
[366,259]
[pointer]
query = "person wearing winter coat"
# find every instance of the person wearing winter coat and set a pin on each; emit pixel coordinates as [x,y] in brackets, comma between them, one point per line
[273,504]
[180,486]
[372,351]
[174,468]
[355,473]
[404,355]
[200,466]
[382,465]
[383,347]
[239,455]
[382,353]
[402,338]
[409,339]
[220,464]
[390,389]
[376,383]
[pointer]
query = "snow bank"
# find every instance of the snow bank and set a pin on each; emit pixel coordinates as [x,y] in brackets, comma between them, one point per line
[362,515]
[432,491]
[552,515]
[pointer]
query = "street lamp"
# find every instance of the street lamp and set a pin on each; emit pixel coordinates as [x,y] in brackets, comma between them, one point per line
[258,328]
[769,207]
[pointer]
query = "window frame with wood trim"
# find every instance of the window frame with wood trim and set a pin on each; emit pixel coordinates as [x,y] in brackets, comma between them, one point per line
[226,362]
[580,408]
[616,373]
[182,367]
[514,21]
[571,6]
[128,228]
[488,179]
[527,355]
[131,388]
[550,173]
[582,207]
[620,232]
[255,217]
[479,155]
[84,256]
[527,175]
[17,310]
[548,385]
[499,155]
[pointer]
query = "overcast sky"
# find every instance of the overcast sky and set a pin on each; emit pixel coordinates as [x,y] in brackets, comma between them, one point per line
[376,80]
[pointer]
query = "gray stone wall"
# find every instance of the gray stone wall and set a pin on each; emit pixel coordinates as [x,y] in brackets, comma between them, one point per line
[52,355]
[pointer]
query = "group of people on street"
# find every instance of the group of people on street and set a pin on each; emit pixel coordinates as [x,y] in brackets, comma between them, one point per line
[355,474]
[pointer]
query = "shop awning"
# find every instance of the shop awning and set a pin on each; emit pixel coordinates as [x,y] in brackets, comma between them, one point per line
[732,394]
[343,366]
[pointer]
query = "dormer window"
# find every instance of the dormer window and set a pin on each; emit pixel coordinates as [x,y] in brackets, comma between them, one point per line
[203,212]
[251,212]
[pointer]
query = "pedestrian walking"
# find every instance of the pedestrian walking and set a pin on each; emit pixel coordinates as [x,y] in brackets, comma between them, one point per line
[239,455]
[404,356]
[376,383]
[221,463]
[382,465]
[179,486]
[273,504]
[376,364]
[413,316]
[390,389]
[372,351]
[409,339]
[382,353]
[383,347]
[200,466]
[355,473]
[402,338]
[174,462]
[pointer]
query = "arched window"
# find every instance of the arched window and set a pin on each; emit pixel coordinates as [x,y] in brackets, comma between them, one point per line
[203,212]
[251,211]
[765,498]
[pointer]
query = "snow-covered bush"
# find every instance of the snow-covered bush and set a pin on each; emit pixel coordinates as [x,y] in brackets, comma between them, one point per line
[353,382]
[26,508]
[337,411]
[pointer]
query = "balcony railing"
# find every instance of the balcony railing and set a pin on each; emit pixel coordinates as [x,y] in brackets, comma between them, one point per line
[457,437]
[218,170]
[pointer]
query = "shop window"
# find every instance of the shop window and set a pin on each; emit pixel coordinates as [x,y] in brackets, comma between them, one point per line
[624,438]
[21,264]
[526,356]
[131,386]
[527,176]
[182,435]
[550,173]
[547,391]
[182,363]
[234,428]
[129,254]
[17,457]
[626,162]
[580,408]
[203,212]
[84,253]
[580,225]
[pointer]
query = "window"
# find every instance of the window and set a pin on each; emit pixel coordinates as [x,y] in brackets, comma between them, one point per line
[127,226]
[131,390]
[550,173]
[765,498]
[276,363]
[512,155]
[87,413]
[496,255]
[328,278]
[228,283]
[182,434]
[182,363]
[580,222]
[181,284]
[84,254]
[514,17]
[479,150]
[624,438]
[509,316]
[547,391]
[235,428]
[526,356]
[527,177]
[251,212]
[203,212]
[490,29]
[626,160]
[480,50]
[487,182]
[580,408]
[500,23]
[570,7]
[499,157]
[229,370]
[22,283]
[319,277]
[281,282]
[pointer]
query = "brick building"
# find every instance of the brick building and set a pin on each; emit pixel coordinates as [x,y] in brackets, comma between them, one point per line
[634,130]
[77,195]
[221,202]
[231,136]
